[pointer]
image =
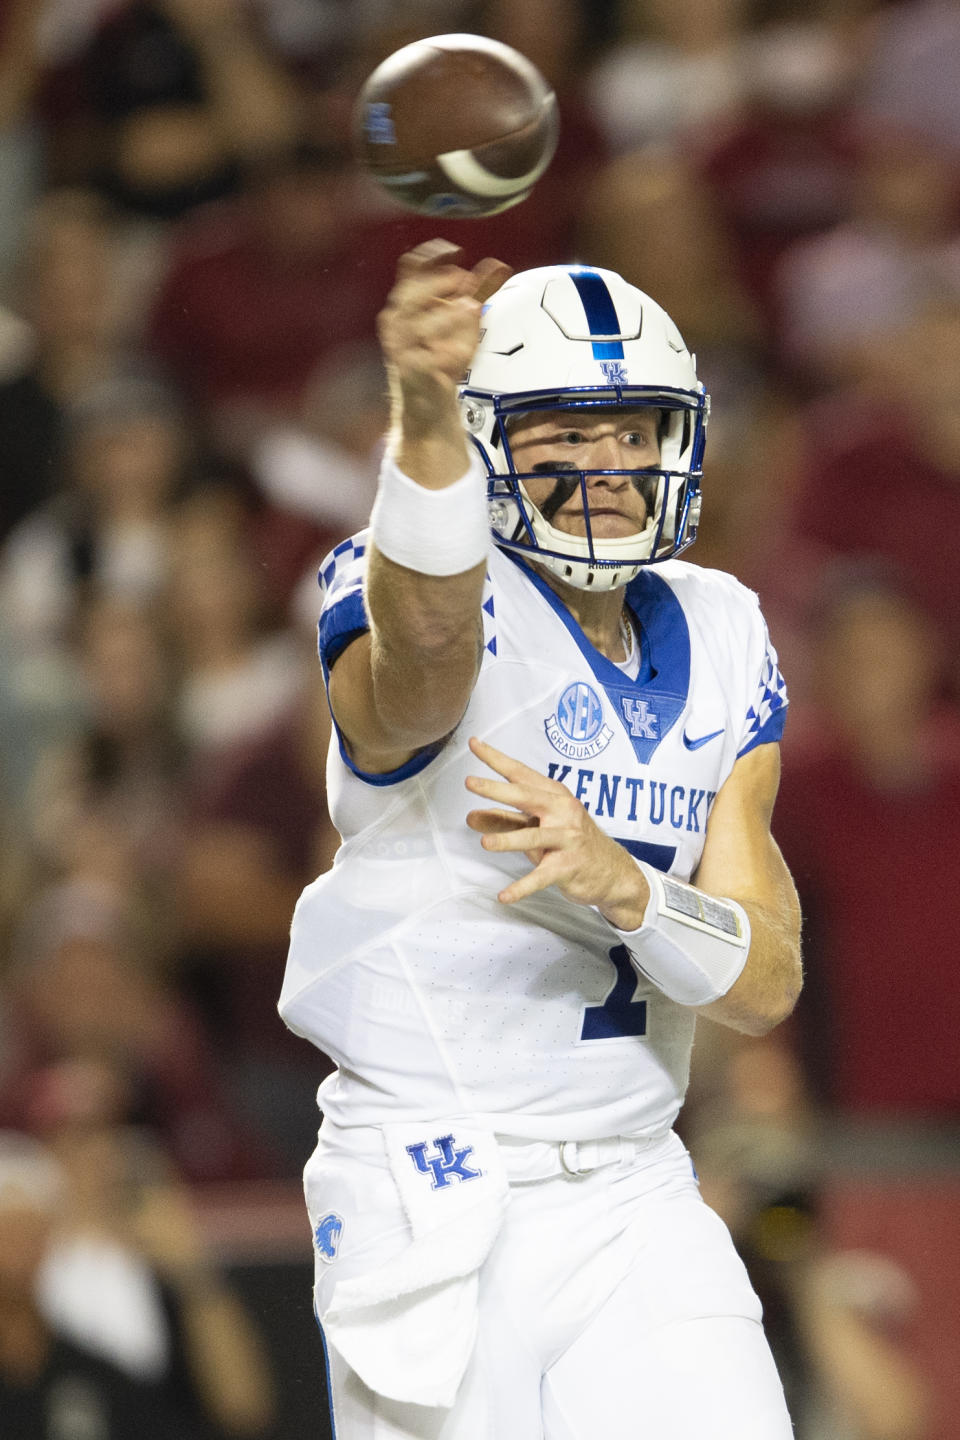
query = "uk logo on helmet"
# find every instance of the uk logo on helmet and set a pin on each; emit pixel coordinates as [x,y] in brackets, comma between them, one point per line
[577,728]
[615,371]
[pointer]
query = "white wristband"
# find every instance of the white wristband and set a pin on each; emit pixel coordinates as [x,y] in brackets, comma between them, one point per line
[435,532]
[691,945]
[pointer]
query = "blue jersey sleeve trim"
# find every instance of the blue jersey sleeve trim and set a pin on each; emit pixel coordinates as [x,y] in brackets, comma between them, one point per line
[342,623]
[413,766]
[769,733]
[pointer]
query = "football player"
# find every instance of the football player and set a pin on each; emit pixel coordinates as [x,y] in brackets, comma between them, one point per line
[554,764]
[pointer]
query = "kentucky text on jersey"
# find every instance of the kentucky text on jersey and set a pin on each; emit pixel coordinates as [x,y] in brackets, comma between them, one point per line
[635,797]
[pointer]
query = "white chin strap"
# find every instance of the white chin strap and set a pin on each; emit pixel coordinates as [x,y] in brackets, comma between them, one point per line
[575,566]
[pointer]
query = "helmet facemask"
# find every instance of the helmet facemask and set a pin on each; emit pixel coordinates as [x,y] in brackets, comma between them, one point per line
[573,338]
[670,489]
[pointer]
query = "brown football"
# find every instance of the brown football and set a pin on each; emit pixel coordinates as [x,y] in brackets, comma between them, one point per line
[456,125]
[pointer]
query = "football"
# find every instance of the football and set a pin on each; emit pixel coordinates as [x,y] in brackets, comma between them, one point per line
[456,125]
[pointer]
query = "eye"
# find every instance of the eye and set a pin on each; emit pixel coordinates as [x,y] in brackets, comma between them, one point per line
[636,438]
[570,437]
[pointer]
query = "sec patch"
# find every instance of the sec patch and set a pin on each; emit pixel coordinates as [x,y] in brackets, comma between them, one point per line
[577,729]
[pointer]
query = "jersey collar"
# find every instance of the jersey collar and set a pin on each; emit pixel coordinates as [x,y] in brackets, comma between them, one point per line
[662,686]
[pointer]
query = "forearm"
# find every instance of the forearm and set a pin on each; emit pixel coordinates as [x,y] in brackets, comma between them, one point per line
[767,988]
[742,860]
[427,440]
[407,684]
[879,1383]
[739,966]
[429,541]
[426,640]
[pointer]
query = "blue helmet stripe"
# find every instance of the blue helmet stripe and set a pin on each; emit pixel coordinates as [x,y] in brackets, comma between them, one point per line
[600,311]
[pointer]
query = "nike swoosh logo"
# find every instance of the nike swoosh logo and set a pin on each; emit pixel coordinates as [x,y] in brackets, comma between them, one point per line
[701,739]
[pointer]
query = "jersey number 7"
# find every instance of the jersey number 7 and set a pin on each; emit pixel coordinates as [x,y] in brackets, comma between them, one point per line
[619,1014]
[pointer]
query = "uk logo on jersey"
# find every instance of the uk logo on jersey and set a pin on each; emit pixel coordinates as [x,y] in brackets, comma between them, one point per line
[577,728]
[641,720]
[326,1237]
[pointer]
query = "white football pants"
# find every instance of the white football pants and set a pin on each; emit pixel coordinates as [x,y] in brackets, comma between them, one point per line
[612,1307]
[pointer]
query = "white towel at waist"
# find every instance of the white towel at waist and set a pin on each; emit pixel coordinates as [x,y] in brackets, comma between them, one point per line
[407,1322]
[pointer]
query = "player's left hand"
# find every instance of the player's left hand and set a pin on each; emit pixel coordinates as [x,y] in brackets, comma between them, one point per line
[563,843]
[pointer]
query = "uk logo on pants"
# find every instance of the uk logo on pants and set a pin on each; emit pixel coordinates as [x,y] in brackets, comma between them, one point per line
[446,1164]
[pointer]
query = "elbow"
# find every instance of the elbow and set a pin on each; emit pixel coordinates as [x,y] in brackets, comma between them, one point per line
[756,1009]
[779,1003]
[761,1022]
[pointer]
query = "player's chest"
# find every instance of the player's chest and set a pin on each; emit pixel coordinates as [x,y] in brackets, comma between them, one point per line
[646,761]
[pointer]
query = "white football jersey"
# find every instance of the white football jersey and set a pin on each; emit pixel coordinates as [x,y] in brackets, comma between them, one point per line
[433,998]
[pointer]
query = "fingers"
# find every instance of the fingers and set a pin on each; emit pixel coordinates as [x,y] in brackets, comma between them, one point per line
[427,256]
[540,878]
[440,262]
[429,326]
[507,792]
[531,837]
[492,822]
[508,767]
[546,823]
[488,276]
[525,790]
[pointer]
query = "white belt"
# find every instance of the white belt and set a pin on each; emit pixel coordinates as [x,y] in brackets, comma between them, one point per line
[523,1159]
[539,1159]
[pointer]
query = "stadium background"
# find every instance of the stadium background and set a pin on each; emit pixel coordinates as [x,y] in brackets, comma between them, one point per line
[191,405]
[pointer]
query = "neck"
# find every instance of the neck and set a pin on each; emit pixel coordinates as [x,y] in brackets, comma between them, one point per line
[597,612]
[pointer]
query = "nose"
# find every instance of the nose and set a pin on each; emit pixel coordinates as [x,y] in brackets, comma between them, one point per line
[607,453]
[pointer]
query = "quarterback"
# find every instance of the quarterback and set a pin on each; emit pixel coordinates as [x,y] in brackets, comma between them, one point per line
[553,769]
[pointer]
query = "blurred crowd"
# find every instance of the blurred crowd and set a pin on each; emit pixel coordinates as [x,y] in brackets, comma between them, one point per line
[191,414]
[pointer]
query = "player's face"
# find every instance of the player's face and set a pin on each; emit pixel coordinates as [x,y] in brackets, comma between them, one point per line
[547,443]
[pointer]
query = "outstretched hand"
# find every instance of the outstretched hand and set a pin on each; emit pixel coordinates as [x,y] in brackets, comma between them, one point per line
[430,326]
[429,330]
[563,843]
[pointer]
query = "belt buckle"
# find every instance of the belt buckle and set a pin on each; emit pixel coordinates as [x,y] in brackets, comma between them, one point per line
[570,1157]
